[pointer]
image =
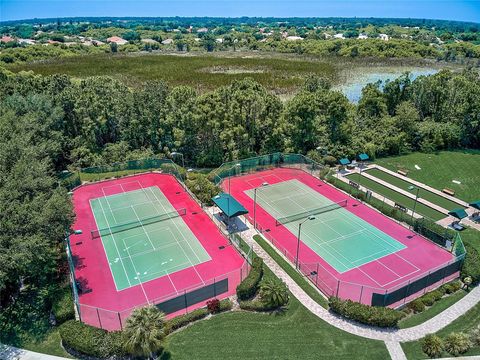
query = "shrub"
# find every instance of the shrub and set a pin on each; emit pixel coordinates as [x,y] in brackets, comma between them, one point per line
[475,336]
[471,265]
[182,320]
[457,343]
[62,307]
[432,345]
[416,305]
[437,294]
[213,306]
[255,305]
[225,305]
[91,341]
[274,293]
[371,315]
[249,286]
[428,299]
[330,160]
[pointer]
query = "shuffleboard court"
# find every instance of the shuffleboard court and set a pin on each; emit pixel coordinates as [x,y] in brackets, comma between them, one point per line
[341,238]
[143,235]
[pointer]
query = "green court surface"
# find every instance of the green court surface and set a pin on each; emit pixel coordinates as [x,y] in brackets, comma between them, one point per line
[144,249]
[339,237]
[395,196]
[404,185]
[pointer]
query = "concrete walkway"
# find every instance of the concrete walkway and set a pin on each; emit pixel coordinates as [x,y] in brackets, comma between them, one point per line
[392,337]
[13,353]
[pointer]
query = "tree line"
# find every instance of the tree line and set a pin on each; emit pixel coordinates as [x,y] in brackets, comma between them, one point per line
[51,123]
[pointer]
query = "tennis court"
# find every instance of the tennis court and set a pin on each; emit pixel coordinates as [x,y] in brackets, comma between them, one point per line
[143,235]
[335,234]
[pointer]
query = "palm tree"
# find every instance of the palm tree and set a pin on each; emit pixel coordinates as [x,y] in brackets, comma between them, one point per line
[274,293]
[144,331]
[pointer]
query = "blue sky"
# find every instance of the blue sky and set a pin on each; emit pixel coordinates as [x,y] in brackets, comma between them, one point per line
[466,10]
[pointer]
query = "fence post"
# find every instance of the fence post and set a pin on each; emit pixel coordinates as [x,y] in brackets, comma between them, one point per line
[214,288]
[186,304]
[384,297]
[338,287]
[361,293]
[406,292]
[120,320]
[99,321]
[444,272]
[426,282]
[316,280]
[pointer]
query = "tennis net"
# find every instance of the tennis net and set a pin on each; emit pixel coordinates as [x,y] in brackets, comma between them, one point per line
[302,215]
[134,224]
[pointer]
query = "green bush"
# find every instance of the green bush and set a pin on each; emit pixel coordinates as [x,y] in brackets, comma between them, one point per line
[437,294]
[370,315]
[182,320]
[417,306]
[91,341]
[457,343]
[255,305]
[249,286]
[432,345]
[471,265]
[451,287]
[225,305]
[428,299]
[475,336]
[62,307]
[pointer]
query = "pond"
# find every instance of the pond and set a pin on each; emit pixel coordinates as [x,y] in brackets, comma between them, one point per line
[354,82]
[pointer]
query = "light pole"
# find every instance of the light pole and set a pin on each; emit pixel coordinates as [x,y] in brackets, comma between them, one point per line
[175,153]
[228,199]
[311,217]
[416,198]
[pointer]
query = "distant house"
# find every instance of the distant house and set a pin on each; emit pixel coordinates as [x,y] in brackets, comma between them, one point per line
[338,36]
[219,40]
[149,41]
[293,38]
[53,42]
[97,42]
[27,41]
[6,39]
[202,30]
[117,40]
[327,35]
[383,37]
[362,36]
[167,42]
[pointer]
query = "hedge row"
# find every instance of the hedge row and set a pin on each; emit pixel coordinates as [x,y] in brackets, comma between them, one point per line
[62,307]
[370,315]
[91,341]
[254,305]
[471,265]
[249,286]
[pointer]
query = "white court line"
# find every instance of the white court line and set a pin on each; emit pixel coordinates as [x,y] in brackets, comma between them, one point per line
[264,179]
[139,242]
[181,233]
[115,243]
[111,211]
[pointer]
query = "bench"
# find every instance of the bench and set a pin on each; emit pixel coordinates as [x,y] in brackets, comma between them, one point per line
[402,172]
[449,191]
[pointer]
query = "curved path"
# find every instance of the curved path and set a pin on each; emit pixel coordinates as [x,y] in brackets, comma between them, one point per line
[391,337]
[13,353]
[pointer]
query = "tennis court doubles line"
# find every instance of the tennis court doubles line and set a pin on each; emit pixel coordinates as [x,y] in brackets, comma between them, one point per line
[144,251]
[342,239]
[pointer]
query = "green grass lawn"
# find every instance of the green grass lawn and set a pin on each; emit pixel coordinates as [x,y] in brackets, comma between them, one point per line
[432,311]
[439,169]
[49,344]
[404,185]
[294,334]
[203,72]
[465,323]
[397,197]
[294,274]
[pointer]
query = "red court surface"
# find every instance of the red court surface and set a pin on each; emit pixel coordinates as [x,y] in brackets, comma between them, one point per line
[101,304]
[384,275]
